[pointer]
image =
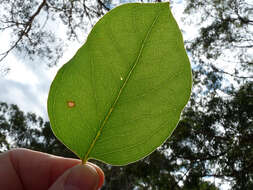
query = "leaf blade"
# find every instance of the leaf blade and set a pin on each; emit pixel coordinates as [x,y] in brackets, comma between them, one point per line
[127,77]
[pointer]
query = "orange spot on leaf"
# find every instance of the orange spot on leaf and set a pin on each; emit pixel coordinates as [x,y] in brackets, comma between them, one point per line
[71,104]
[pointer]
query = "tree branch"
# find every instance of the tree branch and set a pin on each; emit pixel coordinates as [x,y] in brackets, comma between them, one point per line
[182,177]
[103,5]
[25,31]
[227,73]
[246,46]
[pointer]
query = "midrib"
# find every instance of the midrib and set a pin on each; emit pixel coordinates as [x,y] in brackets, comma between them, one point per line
[120,91]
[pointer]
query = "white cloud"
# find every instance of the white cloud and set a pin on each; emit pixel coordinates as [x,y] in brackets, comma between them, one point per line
[26,87]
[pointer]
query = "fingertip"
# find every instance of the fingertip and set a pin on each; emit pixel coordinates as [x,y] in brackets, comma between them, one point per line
[82,177]
[100,174]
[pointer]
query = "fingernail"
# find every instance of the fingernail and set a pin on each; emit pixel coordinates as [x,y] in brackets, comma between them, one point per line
[82,177]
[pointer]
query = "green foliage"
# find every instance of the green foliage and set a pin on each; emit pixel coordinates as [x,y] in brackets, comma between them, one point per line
[196,146]
[220,136]
[18,129]
[213,143]
[121,95]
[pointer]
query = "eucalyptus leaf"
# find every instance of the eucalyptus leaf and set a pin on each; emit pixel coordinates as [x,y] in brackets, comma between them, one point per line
[120,97]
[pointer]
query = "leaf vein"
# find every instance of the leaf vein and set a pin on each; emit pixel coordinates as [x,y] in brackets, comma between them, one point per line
[137,144]
[121,90]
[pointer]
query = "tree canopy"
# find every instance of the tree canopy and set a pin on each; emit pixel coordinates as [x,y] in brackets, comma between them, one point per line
[215,142]
[33,24]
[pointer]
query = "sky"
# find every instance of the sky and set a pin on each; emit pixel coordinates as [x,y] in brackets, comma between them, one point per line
[27,83]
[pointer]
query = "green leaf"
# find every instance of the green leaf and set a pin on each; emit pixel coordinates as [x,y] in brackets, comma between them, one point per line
[122,94]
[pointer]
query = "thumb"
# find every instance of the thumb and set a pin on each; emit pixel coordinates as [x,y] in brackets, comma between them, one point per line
[80,177]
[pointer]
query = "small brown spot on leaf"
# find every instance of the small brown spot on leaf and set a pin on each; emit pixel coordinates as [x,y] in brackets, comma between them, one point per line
[71,104]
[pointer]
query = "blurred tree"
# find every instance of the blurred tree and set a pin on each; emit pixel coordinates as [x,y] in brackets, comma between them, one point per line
[35,25]
[18,129]
[212,141]
[225,40]
[225,33]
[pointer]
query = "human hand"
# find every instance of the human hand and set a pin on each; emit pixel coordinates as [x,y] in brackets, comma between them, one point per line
[22,169]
